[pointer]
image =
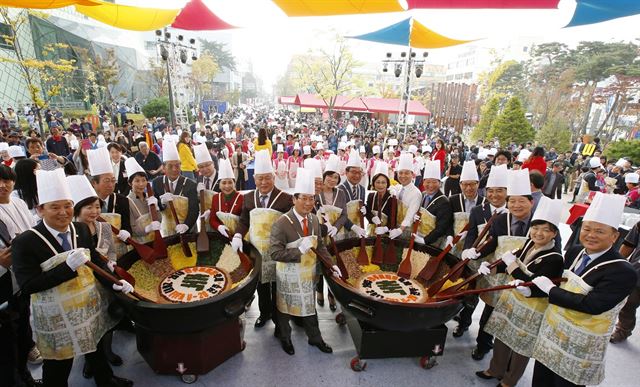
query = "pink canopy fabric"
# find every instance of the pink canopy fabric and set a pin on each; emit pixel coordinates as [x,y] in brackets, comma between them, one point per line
[196,16]
[287,100]
[394,105]
[475,4]
[357,104]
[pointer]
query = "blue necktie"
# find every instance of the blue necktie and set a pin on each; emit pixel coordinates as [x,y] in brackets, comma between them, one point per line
[427,200]
[65,241]
[583,264]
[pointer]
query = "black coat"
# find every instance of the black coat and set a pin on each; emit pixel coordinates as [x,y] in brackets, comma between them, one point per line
[121,207]
[29,251]
[479,215]
[611,283]
[458,203]
[6,283]
[554,192]
[590,179]
[500,227]
[346,189]
[122,181]
[184,187]
[439,207]
[215,182]
[250,200]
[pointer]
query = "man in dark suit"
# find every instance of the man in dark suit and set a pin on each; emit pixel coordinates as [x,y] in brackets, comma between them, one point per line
[353,190]
[112,202]
[553,181]
[119,170]
[434,201]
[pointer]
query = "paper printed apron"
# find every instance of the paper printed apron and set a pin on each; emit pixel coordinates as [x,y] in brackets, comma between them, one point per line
[573,344]
[115,220]
[208,198]
[427,221]
[228,219]
[505,243]
[143,221]
[333,213]
[384,221]
[262,220]
[70,319]
[168,224]
[460,219]
[353,213]
[295,293]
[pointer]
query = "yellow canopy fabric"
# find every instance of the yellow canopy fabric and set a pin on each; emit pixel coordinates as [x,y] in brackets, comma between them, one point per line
[128,17]
[44,4]
[336,7]
[423,37]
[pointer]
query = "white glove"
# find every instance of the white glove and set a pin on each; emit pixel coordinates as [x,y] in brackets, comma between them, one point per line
[152,200]
[336,271]
[76,259]
[375,220]
[112,266]
[463,235]
[543,283]
[181,228]
[359,231]
[236,242]
[332,230]
[470,254]
[153,226]
[165,198]
[418,238]
[416,218]
[396,232]
[200,187]
[484,268]
[382,230]
[206,215]
[124,287]
[222,229]
[363,210]
[305,245]
[524,290]
[508,258]
[123,235]
[449,241]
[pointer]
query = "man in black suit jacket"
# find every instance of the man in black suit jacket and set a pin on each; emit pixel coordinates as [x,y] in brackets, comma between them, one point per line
[434,201]
[553,181]
[29,251]
[354,175]
[122,183]
[112,202]
[179,186]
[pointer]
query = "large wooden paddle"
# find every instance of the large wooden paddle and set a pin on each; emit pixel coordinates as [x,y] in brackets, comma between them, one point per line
[183,242]
[404,270]
[120,272]
[159,245]
[390,254]
[109,277]
[363,258]
[339,261]
[145,252]
[245,262]
[378,253]
[326,261]
[202,243]
[493,289]
[432,265]
[469,279]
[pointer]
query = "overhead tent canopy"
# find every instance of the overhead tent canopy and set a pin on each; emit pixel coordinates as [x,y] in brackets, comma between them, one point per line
[287,100]
[196,16]
[487,4]
[596,11]
[336,7]
[394,105]
[45,4]
[357,104]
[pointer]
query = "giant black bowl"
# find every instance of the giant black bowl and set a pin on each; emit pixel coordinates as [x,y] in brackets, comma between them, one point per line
[194,316]
[388,315]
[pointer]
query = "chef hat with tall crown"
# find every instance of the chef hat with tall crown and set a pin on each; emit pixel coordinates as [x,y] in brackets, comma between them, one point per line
[382,168]
[170,151]
[296,145]
[82,188]
[4,146]
[157,135]
[279,148]
[606,209]
[262,163]
[354,159]
[405,162]
[342,145]
[518,183]
[549,210]
[132,166]
[333,164]
[413,149]
[363,149]
[632,178]
[376,149]
[594,162]
[524,155]
[226,171]
[314,166]
[202,154]
[16,151]
[469,171]
[99,161]
[498,177]
[432,169]
[305,183]
[52,186]
[306,150]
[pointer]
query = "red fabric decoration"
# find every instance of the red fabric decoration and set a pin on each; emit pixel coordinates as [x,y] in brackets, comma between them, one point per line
[196,16]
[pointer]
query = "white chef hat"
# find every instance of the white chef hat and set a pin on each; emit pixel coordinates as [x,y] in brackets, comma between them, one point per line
[606,209]
[306,150]
[342,145]
[381,167]
[405,162]
[376,149]
[279,148]
[363,149]
[632,178]
[132,166]
[158,135]
[5,146]
[202,154]
[73,144]
[262,163]
[296,145]
[393,142]
[52,186]
[432,169]
[549,210]
[99,161]
[305,183]
[426,148]
[320,146]
[16,151]
[82,188]
[170,151]
[524,155]
[314,166]
[498,177]
[413,149]
[621,162]
[469,171]
[594,162]
[333,164]
[225,170]
[354,159]
[518,183]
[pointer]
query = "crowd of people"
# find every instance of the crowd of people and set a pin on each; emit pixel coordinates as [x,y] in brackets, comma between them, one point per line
[305,180]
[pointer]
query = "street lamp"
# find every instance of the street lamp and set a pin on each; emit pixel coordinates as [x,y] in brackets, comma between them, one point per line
[171,51]
[408,63]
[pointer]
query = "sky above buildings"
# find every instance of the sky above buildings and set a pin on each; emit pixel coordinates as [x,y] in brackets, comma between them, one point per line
[268,38]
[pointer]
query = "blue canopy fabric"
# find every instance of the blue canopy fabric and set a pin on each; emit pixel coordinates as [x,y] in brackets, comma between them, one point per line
[398,33]
[596,11]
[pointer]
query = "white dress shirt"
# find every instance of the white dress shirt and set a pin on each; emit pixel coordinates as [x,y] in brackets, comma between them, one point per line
[411,198]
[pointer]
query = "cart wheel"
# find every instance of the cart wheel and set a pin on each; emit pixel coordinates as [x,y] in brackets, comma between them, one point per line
[358,365]
[341,319]
[189,378]
[427,362]
[243,345]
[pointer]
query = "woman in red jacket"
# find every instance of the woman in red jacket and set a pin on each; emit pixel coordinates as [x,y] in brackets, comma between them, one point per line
[536,162]
[439,154]
[226,205]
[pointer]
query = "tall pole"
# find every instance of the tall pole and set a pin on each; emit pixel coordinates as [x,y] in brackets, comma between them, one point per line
[172,111]
[407,94]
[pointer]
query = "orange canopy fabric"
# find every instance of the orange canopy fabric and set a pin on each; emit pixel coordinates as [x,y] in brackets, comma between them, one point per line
[128,17]
[45,4]
[336,7]
[423,37]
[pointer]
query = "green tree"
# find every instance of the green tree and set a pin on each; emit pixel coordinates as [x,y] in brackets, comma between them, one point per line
[203,72]
[512,125]
[488,114]
[218,50]
[157,107]
[623,148]
[100,74]
[157,78]
[505,81]
[555,134]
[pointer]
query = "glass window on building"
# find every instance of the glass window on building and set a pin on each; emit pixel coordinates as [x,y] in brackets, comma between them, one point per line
[5,30]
